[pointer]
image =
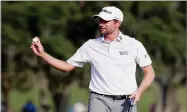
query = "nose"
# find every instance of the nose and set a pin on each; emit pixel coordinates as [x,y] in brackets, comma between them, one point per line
[100,24]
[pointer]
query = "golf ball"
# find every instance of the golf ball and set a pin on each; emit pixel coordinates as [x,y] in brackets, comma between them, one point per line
[35,39]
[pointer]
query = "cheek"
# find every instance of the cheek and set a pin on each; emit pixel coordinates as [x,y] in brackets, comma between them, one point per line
[111,26]
[117,25]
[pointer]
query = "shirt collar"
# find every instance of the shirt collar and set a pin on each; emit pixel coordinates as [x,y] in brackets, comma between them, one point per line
[118,39]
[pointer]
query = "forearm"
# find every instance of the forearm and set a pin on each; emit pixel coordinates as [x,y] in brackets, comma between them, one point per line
[58,64]
[147,80]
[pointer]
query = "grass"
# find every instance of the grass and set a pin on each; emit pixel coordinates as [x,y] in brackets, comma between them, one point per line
[182,98]
[78,94]
[147,99]
[17,99]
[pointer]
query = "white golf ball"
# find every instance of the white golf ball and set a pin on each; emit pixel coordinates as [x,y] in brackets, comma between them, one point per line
[35,39]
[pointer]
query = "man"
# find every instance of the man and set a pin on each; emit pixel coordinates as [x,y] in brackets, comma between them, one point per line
[113,59]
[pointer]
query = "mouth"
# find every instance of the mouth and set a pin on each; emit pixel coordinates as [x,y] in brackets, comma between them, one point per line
[102,28]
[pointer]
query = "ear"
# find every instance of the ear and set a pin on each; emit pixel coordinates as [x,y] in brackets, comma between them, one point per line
[118,24]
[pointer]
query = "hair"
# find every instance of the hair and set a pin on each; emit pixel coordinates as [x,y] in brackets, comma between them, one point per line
[115,20]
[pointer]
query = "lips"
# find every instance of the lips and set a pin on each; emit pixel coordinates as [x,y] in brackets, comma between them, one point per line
[102,28]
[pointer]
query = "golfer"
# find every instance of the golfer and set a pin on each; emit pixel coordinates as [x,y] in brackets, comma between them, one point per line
[113,58]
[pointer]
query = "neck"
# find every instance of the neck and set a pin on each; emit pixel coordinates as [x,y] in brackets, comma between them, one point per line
[112,36]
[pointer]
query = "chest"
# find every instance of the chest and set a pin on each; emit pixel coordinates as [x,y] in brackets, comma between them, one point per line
[113,53]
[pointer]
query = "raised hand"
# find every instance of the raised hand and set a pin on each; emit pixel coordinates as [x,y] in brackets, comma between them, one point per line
[37,47]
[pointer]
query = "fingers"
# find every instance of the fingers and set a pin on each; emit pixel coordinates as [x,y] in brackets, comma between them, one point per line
[38,40]
[135,100]
[33,43]
[136,97]
[132,95]
[32,46]
[35,51]
[36,43]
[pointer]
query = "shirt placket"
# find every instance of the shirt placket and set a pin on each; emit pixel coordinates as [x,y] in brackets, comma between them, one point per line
[112,50]
[105,47]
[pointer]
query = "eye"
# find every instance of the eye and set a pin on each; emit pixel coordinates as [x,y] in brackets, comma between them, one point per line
[103,21]
[115,20]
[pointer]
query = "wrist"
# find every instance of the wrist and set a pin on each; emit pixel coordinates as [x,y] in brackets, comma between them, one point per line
[140,91]
[42,54]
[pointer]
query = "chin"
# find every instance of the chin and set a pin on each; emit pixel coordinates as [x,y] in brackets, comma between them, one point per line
[102,32]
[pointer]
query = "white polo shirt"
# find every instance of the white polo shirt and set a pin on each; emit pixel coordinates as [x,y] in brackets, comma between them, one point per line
[113,65]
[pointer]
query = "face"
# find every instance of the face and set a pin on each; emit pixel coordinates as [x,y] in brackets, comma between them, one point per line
[108,27]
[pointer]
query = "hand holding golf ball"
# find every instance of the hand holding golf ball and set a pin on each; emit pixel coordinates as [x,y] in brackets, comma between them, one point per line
[36,46]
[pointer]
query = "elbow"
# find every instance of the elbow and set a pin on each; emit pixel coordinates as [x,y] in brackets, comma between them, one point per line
[65,70]
[153,75]
[68,69]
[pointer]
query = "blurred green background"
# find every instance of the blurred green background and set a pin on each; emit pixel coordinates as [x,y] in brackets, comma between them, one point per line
[63,27]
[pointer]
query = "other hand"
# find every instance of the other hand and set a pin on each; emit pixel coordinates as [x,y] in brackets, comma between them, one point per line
[136,95]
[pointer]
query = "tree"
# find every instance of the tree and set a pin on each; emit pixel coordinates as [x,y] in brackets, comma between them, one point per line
[64,26]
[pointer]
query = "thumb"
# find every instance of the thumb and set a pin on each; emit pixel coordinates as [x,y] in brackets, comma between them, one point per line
[132,95]
[38,39]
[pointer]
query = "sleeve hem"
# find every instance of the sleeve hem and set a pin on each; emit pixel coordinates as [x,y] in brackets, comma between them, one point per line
[142,66]
[74,64]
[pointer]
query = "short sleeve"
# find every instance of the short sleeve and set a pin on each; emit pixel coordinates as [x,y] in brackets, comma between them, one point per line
[80,57]
[142,57]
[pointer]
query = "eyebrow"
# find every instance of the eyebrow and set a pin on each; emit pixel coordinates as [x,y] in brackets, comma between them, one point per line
[100,19]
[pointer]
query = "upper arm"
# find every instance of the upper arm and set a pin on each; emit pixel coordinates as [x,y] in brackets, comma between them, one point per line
[142,57]
[80,57]
[148,70]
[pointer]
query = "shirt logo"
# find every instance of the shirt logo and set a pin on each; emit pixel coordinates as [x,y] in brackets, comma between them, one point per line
[123,52]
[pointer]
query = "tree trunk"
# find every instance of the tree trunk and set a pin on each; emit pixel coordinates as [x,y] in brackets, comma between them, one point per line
[5,90]
[172,104]
[44,104]
[61,101]
[7,77]
[167,97]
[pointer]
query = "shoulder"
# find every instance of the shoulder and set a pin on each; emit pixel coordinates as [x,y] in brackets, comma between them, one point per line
[97,39]
[132,41]
[92,41]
